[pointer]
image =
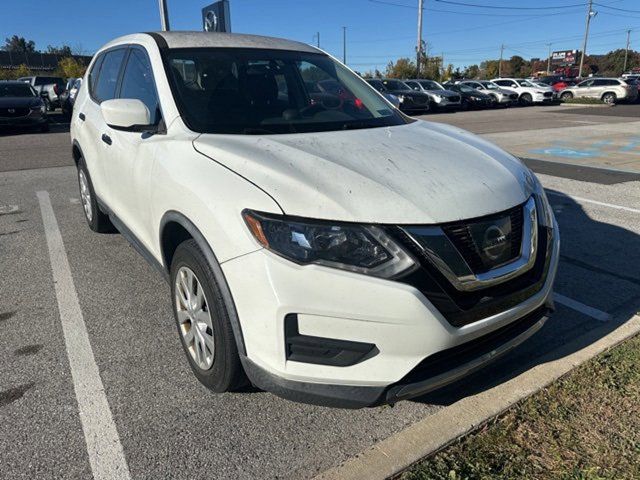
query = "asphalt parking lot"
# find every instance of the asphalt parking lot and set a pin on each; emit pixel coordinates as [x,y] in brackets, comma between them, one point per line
[169,425]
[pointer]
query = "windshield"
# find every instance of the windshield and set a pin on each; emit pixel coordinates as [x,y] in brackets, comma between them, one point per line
[16,90]
[430,85]
[260,91]
[395,85]
[490,85]
[466,88]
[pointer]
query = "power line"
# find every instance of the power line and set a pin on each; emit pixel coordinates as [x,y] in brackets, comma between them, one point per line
[496,7]
[475,14]
[612,8]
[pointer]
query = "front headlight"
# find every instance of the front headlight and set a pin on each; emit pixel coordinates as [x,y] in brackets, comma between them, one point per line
[545,212]
[357,248]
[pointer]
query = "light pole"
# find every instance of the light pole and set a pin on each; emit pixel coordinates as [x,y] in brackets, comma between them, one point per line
[164,15]
[626,52]
[549,60]
[344,45]
[317,38]
[590,15]
[500,64]
[419,45]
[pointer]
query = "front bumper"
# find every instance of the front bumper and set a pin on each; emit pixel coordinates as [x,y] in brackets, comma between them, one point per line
[32,119]
[407,330]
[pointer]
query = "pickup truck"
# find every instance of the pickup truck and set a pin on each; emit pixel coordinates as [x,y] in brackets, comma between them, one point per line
[49,88]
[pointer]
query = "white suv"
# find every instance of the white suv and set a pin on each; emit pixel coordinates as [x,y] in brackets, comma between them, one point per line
[528,92]
[323,245]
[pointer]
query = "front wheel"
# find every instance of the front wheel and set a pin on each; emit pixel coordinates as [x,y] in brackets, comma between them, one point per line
[203,321]
[609,98]
[526,99]
[566,96]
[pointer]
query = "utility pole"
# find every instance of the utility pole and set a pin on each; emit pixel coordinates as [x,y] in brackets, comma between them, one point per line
[164,15]
[344,45]
[549,60]
[500,64]
[590,14]
[419,45]
[626,52]
[317,37]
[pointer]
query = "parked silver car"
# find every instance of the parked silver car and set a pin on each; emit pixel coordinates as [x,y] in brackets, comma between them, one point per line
[609,90]
[440,97]
[49,88]
[502,96]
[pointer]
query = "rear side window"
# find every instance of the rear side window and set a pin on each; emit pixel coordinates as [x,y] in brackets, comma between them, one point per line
[107,82]
[138,83]
[93,74]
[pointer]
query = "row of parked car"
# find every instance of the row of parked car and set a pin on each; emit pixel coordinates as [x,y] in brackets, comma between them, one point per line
[421,95]
[25,102]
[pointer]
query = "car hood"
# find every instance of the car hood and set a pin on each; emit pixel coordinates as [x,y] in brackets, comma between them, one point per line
[18,102]
[418,173]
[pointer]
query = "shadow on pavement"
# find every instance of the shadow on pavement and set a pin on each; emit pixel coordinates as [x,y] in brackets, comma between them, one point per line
[602,258]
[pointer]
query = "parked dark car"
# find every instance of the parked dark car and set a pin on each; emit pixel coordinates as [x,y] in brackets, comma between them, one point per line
[21,106]
[49,88]
[410,101]
[472,98]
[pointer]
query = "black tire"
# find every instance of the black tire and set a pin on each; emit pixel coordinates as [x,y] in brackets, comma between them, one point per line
[566,96]
[44,128]
[526,99]
[98,221]
[465,105]
[226,372]
[47,104]
[609,98]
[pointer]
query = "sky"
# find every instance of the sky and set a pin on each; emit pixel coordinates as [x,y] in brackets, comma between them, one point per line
[377,30]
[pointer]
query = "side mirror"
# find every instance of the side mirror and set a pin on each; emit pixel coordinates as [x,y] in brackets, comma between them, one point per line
[127,114]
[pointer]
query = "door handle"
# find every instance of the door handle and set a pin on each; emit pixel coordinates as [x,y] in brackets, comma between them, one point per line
[106,139]
[81,116]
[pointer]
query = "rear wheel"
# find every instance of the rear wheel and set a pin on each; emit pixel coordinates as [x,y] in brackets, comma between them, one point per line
[203,321]
[526,99]
[609,98]
[96,219]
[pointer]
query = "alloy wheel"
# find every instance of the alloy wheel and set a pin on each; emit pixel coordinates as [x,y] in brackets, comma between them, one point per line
[194,318]
[85,195]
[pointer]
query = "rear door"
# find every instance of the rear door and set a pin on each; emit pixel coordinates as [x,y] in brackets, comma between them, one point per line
[584,89]
[103,80]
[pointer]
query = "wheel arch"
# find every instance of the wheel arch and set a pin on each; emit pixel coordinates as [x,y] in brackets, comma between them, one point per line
[76,152]
[175,228]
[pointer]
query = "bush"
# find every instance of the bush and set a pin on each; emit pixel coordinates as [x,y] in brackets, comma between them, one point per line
[584,101]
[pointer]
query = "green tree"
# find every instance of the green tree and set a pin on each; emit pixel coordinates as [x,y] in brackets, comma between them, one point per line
[19,45]
[62,51]
[70,68]
[402,68]
[22,71]
[472,71]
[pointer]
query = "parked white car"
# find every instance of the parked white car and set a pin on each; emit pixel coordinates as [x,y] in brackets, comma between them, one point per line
[528,93]
[325,246]
[609,90]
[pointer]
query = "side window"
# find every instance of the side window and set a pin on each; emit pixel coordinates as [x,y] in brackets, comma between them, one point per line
[502,83]
[93,74]
[108,77]
[138,83]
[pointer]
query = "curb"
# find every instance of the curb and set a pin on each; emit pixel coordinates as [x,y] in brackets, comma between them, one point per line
[398,452]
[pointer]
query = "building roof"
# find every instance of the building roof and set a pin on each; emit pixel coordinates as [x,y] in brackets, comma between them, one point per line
[185,39]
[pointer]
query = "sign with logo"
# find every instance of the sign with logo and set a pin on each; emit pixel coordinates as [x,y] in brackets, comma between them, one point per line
[216,17]
[565,58]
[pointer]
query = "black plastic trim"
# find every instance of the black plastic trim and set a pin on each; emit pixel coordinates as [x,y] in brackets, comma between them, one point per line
[173,216]
[322,350]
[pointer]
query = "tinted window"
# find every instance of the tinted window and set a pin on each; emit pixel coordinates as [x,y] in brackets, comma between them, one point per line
[16,90]
[93,74]
[413,85]
[430,85]
[395,85]
[260,91]
[105,88]
[137,82]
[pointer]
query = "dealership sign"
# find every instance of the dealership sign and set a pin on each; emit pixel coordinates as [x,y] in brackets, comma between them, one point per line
[565,58]
[216,17]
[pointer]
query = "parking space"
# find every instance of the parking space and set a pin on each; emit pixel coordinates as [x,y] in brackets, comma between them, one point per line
[167,424]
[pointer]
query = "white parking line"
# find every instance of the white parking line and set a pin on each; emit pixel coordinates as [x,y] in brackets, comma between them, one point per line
[101,436]
[595,202]
[582,308]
